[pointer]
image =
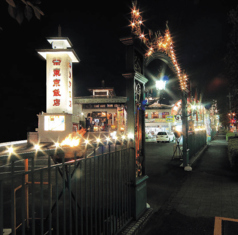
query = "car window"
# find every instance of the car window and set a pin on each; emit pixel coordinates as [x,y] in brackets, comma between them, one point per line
[162,133]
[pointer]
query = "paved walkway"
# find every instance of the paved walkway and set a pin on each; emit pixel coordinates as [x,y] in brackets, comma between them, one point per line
[197,197]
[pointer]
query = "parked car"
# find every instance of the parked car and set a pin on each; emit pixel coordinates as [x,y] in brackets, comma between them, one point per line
[165,136]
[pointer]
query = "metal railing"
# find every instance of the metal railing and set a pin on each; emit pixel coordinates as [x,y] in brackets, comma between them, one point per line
[196,140]
[79,196]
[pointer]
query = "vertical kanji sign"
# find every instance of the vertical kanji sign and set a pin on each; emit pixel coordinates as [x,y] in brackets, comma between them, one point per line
[59,84]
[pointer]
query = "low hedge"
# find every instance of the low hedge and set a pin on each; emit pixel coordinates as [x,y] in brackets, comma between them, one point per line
[233,151]
[229,134]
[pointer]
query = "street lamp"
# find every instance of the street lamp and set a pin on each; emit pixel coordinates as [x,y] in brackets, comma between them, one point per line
[160,86]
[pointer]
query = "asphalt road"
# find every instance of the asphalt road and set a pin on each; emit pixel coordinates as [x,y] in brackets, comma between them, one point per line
[159,168]
[189,203]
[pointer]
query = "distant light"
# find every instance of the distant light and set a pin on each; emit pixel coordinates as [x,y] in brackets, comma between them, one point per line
[86,141]
[37,147]
[160,85]
[98,140]
[123,137]
[57,145]
[108,139]
[130,136]
[10,150]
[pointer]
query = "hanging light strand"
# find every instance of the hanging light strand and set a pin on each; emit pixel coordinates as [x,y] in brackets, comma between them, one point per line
[156,42]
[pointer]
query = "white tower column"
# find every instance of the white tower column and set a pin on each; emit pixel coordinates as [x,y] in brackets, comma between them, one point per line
[56,123]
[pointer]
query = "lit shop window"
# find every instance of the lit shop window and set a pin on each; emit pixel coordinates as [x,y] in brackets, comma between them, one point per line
[54,123]
[155,115]
[146,115]
[165,114]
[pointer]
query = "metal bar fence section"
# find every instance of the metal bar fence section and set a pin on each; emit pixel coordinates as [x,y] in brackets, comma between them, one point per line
[196,141]
[72,196]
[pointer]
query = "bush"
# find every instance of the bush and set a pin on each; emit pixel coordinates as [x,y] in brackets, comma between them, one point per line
[228,134]
[233,152]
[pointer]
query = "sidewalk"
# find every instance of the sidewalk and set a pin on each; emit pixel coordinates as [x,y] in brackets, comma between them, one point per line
[209,191]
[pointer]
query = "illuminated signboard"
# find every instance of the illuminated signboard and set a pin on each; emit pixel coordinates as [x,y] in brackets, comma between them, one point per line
[59,83]
[170,118]
[54,123]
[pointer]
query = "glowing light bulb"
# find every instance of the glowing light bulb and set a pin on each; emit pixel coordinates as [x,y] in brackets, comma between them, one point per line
[57,145]
[86,141]
[98,140]
[37,147]
[10,150]
[130,136]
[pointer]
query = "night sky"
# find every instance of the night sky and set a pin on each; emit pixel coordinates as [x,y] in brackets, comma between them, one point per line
[200,32]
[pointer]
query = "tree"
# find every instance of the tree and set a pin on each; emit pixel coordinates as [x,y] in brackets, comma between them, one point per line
[18,9]
[231,58]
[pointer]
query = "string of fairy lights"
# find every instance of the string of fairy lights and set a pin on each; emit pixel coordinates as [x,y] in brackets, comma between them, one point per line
[155,41]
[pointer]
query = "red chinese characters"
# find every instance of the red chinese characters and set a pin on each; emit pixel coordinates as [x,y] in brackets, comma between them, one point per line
[56,83]
[70,65]
[56,102]
[69,84]
[69,74]
[56,92]
[70,103]
[56,62]
[56,73]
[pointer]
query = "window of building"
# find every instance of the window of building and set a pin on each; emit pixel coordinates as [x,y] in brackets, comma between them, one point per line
[102,105]
[164,114]
[96,106]
[101,93]
[146,115]
[103,114]
[117,105]
[110,105]
[87,106]
[155,115]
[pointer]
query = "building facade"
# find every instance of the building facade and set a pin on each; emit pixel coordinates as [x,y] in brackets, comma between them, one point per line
[103,111]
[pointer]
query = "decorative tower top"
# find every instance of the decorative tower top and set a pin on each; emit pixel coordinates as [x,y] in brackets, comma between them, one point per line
[59,60]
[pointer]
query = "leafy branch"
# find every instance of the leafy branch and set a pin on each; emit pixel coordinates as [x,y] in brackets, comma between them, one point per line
[17,9]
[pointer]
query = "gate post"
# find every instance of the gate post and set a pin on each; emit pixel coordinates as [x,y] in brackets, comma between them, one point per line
[135,86]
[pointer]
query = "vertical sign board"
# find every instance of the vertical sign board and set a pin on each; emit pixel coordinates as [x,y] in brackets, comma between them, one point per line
[59,84]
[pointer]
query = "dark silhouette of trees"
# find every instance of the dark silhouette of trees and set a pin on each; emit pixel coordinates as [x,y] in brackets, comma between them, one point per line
[231,59]
[18,9]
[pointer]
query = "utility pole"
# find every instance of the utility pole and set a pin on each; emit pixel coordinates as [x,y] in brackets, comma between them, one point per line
[229,97]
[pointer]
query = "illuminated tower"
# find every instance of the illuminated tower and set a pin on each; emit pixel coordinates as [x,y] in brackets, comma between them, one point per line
[56,123]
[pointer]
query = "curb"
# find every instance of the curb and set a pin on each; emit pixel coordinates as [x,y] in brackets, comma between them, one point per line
[193,159]
[135,226]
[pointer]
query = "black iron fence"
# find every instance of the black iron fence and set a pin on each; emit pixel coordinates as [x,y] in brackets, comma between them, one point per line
[196,140]
[74,196]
